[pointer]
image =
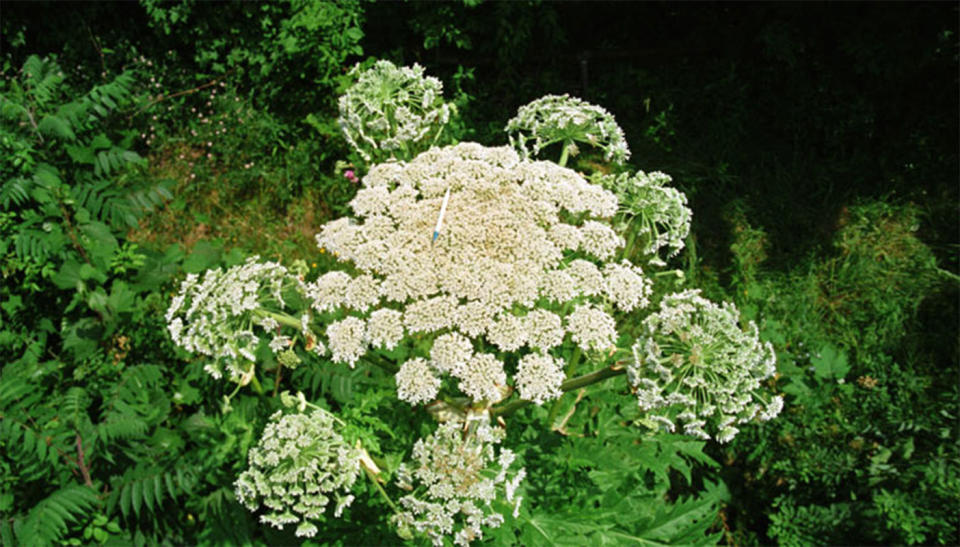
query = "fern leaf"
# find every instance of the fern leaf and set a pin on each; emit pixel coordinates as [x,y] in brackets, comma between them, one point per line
[74,406]
[125,504]
[41,78]
[142,489]
[135,496]
[12,388]
[158,489]
[55,126]
[7,533]
[14,191]
[30,245]
[46,176]
[168,480]
[48,521]
[120,427]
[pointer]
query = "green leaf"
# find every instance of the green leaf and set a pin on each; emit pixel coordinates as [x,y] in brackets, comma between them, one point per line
[687,522]
[125,501]
[100,141]
[55,126]
[121,299]
[205,255]
[68,275]
[149,495]
[158,488]
[830,363]
[47,522]
[87,272]
[101,243]
[81,154]
[136,491]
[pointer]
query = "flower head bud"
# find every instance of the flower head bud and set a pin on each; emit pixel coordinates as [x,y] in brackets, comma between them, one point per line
[299,464]
[566,119]
[697,366]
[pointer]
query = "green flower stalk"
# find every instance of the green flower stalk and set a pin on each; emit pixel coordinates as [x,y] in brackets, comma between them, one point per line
[697,367]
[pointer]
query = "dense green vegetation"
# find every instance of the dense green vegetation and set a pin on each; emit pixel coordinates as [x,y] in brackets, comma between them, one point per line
[818,146]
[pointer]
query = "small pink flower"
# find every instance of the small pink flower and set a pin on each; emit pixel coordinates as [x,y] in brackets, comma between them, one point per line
[350,175]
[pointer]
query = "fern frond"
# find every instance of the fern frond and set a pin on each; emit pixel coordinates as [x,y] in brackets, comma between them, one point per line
[15,191]
[112,160]
[74,406]
[145,200]
[52,125]
[106,98]
[32,245]
[121,427]
[148,487]
[131,408]
[42,79]
[49,520]
[13,388]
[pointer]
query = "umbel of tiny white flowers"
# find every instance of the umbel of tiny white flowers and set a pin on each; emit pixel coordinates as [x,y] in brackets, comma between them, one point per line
[393,112]
[515,269]
[657,211]
[459,483]
[225,315]
[696,368]
[566,120]
[298,467]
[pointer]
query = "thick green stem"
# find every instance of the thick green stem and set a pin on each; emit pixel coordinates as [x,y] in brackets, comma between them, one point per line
[574,361]
[373,479]
[565,154]
[378,361]
[569,385]
[282,318]
[631,239]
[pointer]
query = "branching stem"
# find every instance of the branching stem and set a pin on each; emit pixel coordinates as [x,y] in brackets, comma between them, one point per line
[569,385]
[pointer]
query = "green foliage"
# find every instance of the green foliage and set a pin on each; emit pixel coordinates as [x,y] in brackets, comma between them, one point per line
[868,419]
[91,435]
[274,47]
[48,521]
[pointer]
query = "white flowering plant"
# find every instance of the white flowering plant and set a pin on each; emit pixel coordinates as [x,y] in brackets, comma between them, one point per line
[566,120]
[393,112]
[481,288]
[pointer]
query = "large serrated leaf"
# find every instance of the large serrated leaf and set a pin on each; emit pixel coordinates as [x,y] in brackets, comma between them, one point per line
[830,363]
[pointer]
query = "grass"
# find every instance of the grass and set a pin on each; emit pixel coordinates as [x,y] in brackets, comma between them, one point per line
[207,208]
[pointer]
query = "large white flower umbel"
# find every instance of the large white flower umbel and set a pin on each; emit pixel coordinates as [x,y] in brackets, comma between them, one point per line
[514,268]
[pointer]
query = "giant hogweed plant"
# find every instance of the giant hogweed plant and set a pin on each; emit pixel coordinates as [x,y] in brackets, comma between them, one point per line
[489,288]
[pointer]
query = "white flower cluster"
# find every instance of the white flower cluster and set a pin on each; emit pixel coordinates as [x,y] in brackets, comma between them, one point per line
[564,119]
[697,366]
[659,210]
[299,466]
[393,112]
[458,477]
[511,236]
[217,315]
